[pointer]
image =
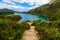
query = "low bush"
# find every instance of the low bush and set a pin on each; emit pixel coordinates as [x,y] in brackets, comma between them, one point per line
[10,30]
[48,31]
[25,25]
[14,17]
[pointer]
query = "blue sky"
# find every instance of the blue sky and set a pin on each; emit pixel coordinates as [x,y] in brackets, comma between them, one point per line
[22,5]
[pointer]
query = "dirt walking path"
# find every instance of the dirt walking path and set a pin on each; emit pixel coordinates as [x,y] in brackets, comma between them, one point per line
[30,34]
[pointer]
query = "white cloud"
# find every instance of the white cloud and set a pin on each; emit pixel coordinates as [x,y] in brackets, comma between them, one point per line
[32,2]
[14,6]
[8,1]
[17,8]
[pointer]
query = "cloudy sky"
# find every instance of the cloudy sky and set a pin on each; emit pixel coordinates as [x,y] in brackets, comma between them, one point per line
[22,5]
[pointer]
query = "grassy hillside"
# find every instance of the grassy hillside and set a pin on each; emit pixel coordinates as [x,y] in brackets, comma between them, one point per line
[50,10]
[48,31]
[10,29]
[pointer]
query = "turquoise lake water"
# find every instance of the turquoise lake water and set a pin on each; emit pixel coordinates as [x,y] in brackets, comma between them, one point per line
[31,17]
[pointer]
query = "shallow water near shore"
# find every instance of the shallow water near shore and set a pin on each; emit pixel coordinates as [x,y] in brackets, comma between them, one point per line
[31,17]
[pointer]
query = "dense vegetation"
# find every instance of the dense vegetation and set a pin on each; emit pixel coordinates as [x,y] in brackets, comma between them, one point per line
[48,31]
[10,29]
[6,11]
[13,17]
[50,10]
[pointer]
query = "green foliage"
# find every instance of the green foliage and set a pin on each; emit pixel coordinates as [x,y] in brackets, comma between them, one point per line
[10,30]
[48,31]
[14,17]
[6,11]
[50,10]
[50,34]
[39,23]
[2,16]
[24,25]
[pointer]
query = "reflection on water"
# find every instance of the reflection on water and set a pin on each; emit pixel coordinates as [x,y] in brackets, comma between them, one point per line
[31,17]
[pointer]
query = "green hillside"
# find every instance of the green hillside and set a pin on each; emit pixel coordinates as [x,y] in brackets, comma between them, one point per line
[48,31]
[6,11]
[50,10]
[10,29]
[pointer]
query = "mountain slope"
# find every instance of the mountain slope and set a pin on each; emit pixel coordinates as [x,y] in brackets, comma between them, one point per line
[7,11]
[50,10]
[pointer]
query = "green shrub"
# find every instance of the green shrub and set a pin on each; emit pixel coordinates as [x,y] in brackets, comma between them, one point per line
[14,17]
[10,30]
[48,31]
[25,25]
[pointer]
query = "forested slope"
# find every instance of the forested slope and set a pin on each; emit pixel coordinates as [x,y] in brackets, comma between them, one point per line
[50,10]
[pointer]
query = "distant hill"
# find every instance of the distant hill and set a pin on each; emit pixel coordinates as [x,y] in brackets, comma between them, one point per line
[50,10]
[7,11]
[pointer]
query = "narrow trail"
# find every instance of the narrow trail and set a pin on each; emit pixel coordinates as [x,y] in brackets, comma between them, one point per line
[30,34]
